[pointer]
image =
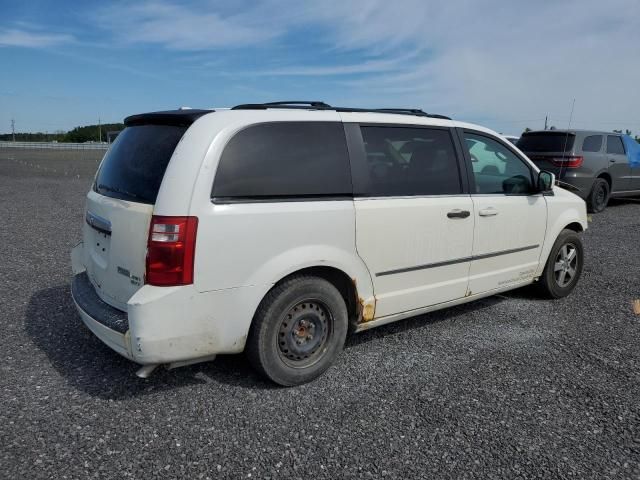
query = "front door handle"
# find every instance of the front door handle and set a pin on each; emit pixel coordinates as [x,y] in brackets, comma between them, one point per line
[457,213]
[488,212]
[612,160]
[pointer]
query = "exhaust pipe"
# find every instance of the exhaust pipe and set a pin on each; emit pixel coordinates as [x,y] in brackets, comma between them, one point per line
[146,370]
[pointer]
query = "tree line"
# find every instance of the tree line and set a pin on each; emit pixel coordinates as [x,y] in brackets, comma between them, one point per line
[88,133]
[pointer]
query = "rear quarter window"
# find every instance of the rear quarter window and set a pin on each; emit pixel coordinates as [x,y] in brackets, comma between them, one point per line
[134,166]
[284,160]
[615,145]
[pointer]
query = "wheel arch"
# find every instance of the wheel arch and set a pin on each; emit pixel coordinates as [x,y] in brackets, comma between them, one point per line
[569,217]
[346,285]
[350,276]
[607,177]
[575,226]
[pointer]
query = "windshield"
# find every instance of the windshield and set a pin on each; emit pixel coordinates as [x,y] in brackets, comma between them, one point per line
[134,166]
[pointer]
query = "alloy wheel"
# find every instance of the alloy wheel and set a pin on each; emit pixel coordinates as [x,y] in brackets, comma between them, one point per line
[566,265]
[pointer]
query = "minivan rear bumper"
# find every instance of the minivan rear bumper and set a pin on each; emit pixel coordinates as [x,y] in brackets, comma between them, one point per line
[165,325]
[107,323]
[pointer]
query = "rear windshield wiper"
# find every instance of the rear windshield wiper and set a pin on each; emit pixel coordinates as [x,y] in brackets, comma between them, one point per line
[121,192]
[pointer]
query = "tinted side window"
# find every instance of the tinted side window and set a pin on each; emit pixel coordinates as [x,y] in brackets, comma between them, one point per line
[134,167]
[614,145]
[285,159]
[497,169]
[403,161]
[592,143]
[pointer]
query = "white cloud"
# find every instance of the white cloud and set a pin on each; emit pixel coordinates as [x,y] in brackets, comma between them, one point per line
[364,67]
[182,28]
[22,38]
[499,62]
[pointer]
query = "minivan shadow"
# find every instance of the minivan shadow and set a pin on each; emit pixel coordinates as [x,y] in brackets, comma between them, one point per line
[420,321]
[90,366]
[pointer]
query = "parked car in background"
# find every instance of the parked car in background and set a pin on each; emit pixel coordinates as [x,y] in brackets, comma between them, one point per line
[277,228]
[512,138]
[594,162]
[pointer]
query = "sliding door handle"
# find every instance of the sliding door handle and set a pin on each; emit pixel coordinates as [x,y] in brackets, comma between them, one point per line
[488,212]
[457,213]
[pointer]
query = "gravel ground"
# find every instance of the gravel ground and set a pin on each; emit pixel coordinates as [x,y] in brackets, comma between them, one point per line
[507,387]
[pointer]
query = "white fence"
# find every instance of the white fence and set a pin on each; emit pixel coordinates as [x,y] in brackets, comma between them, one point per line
[55,145]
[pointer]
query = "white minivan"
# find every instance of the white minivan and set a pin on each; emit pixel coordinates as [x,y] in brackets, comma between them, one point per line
[277,228]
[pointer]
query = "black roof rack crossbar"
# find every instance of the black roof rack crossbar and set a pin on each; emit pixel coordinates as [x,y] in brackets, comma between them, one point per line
[314,103]
[287,104]
[317,105]
[414,111]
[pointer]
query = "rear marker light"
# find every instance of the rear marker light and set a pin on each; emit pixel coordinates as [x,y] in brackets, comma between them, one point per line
[171,250]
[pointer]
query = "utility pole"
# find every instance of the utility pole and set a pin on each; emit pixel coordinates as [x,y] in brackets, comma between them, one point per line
[546,117]
[99,131]
[13,129]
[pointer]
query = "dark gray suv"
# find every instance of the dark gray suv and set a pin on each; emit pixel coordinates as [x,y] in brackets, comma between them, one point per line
[594,162]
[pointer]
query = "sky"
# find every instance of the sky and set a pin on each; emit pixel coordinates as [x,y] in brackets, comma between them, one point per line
[505,64]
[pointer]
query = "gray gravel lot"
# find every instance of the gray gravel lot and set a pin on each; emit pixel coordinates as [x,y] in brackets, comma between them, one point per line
[508,387]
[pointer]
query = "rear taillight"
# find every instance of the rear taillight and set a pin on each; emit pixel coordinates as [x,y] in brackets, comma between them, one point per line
[170,250]
[568,162]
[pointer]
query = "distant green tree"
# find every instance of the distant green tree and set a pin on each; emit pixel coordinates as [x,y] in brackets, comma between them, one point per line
[88,133]
[91,133]
[33,137]
[527,129]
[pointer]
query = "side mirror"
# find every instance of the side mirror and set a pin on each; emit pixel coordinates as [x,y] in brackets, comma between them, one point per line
[546,181]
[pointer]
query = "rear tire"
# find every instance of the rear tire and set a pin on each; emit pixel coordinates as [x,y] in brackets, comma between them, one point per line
[298,330]
[564,266]
[599,196]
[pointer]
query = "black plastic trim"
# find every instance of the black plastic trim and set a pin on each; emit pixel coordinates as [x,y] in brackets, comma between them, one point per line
[88,300]
[282,199]
[98,223]
[457,260]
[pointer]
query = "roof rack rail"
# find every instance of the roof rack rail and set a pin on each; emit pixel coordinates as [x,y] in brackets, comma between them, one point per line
[285,104]
[413,111]
[396,111]
[317,105]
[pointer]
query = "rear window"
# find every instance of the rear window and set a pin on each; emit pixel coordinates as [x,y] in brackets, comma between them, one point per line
[592,143]
[135,164]
[546,142]
[285,160]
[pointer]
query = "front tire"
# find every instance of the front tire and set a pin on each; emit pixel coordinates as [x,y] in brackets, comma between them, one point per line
[298,330]
[599,196]
[564,266]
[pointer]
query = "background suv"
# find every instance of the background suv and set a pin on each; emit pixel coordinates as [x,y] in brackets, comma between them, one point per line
[594,162]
